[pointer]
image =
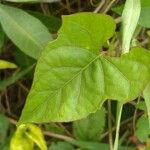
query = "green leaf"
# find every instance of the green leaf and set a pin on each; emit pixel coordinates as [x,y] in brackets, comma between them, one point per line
[51,22]
[27,1]
[4,125]
[34,133]
[12,79]
[5,64]
[130,17]
[71,81]
[142,131]
[61,146]
[146,95]
[90,128]
[30,38]
[80,28]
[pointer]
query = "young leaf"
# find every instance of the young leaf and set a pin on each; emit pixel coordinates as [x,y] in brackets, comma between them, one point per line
[5,65]
[19,140]
[130,19]
[90,128]
[72,79]
[27,32]
[35,134]
[25,136]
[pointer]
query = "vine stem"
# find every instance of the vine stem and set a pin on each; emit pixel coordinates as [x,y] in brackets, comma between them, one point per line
[118,118]
[109,6]
[110,126]
[99,6]
[135,114]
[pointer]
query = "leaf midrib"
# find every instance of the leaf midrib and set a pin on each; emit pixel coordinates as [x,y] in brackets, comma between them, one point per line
[66,83]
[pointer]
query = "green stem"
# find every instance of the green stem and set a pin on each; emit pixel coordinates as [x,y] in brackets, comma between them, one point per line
[118,119]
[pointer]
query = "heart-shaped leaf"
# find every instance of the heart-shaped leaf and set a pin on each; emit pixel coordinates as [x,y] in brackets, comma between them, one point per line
[73,79]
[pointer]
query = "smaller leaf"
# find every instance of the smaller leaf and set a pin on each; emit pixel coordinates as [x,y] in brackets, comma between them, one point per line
[5,65]
[91,127]
[61,146]
[34,133]
[142,131]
